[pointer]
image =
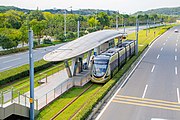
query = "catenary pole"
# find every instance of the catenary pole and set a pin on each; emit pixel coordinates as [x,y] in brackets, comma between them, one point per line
[31,63]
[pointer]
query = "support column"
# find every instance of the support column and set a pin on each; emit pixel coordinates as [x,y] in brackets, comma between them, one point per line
[119,41]
[67,68]
[88,57]
[97,51]
[81,64]
[74,66]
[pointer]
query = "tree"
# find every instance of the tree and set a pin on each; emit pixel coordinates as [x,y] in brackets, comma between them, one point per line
[103,19]
[13,19]
[24,31]
[9,38]
[38,28]
[92,22]
[38,15]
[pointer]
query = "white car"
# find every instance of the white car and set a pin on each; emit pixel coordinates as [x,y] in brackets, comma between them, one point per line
[176,30]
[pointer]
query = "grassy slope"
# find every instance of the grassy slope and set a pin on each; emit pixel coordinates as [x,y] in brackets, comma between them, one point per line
[22,85]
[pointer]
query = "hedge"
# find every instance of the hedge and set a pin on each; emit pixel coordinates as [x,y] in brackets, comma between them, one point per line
[16,50]
[22,71]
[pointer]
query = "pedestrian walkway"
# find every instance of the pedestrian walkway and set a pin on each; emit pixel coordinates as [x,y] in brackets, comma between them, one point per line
[52,87]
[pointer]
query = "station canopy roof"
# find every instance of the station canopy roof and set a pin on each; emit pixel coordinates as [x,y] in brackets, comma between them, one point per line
[82,45]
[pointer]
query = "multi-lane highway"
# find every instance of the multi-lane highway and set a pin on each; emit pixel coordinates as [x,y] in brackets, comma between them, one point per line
[152,91]
[15,60]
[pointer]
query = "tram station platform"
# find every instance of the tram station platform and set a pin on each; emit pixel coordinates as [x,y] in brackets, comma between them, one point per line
[51,89]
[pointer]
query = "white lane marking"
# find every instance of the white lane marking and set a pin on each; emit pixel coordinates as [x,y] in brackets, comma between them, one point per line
[176,44]
[176,70]
[100,114]
[144,93]
[175,58]
[166,40]
[5,68]
[157,119]
[153,68]
[176,40]
[4,57]
[11,60]
[164,43]
[178,95]
[158,56]
[161,48]
[175,49]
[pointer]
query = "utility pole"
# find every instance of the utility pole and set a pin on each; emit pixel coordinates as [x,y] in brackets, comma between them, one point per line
[116,22]
[65,24]
[95,18]
[78,27]
[124,27]
[31,63]
[147,28]
[137,30]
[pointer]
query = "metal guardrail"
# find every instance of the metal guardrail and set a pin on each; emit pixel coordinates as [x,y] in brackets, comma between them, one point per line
[14,96]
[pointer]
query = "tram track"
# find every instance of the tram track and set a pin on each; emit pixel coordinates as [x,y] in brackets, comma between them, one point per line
[72,101]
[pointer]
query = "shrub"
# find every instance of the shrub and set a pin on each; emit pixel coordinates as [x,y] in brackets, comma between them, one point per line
[15,50]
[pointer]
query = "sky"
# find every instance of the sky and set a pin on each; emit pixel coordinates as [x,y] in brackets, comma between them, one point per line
[124,6]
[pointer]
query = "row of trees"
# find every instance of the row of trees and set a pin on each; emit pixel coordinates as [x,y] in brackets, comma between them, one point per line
[14,24]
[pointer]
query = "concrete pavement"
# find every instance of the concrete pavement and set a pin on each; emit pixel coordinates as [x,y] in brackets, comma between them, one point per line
[152,92]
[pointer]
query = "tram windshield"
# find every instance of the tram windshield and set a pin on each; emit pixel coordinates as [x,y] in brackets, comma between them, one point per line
[100,67]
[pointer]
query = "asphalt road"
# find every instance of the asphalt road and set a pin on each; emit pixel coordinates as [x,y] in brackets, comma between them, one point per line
[152,92]
[15,60]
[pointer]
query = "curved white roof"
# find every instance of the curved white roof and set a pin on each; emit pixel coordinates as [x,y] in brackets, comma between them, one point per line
[81,45]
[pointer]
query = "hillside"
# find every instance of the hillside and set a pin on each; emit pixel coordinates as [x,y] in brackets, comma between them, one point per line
[6,8]
[165,11]
[61,11]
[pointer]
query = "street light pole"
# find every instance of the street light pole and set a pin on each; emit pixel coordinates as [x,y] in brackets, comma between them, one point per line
[137,30]
[31,62]
[116,22]
[65,24]
[78,27]
[147,28]
[95,18]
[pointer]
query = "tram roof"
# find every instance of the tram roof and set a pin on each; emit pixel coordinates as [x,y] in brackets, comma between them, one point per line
[82,45]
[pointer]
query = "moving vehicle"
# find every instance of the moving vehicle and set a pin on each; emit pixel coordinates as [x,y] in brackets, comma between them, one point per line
[107,64]
[176,31]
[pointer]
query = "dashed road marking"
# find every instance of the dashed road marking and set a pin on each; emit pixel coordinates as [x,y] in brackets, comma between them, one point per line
[178,95]
[144,93]
[158,56]
[175,49]
[175,58]
[153,68]
[176,70]
[161,48]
